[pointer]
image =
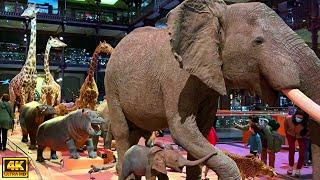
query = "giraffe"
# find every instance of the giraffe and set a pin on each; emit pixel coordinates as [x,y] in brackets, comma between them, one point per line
[89,90]
[23,85]
[50,91]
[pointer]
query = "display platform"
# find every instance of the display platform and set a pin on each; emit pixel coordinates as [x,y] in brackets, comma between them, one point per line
[81,163]
[53,169]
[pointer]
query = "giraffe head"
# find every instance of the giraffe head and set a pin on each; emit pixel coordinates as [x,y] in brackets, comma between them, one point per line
[55,42]
[104,47]
[30,12]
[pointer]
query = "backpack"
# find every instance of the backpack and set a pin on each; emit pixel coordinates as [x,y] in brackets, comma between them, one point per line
[276,141]
[275,125]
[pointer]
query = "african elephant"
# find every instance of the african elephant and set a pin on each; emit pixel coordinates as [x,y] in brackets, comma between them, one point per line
[31,116]
[172,77]
[262,54]
[152,162]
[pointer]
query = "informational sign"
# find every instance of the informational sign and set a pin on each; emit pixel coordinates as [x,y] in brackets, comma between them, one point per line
[15,167]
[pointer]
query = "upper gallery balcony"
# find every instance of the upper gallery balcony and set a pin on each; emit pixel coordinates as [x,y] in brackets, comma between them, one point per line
[88,13]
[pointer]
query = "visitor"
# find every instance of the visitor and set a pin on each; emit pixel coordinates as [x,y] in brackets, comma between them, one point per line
[308,153]
[255,142]
[270,139]
[314,128]
[6,120]
[296,130]
[212,138]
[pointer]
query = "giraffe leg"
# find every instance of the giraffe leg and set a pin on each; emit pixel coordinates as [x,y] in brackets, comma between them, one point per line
[12,95]
[58,97]
[22,98]
[43,98]
[31,95]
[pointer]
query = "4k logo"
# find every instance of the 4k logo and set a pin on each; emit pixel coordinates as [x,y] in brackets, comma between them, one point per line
[15,167]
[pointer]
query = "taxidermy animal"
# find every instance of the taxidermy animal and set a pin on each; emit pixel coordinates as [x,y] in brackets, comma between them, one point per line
[31,116]
[69,132]
[61,109]
[23,85]
[89,91]
[50,90]
[172,77]
[250,166]
[106,133]
[152,162]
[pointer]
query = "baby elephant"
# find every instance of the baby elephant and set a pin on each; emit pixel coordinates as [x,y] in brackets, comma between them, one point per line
[152,162]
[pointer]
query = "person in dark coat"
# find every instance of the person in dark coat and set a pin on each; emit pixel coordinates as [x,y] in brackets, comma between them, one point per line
[6,120]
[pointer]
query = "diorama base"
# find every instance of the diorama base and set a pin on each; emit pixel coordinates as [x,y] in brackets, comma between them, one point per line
[106,155]
[81,163]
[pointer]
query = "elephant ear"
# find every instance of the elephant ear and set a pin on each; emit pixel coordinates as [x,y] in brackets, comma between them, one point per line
[194,28]
[156,159]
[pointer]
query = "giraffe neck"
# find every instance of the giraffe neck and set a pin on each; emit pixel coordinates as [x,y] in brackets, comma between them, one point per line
[93,63]
[46,64]
[30,64]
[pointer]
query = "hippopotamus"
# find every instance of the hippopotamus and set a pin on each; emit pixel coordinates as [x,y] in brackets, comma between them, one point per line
[31,116]
[69,132]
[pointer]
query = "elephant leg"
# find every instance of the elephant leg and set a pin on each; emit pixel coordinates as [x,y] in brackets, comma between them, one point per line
[125,171]
[72,149]
[204,119]
[136,133]
[53,154]
[90,149]
[163,177]
[181,111]
[107,140]
[193,172]
[120,130]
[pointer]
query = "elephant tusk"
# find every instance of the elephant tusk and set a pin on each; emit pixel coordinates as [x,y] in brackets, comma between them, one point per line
[304,102]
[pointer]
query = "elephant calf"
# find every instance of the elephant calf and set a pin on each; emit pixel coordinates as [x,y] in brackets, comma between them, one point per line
[152,162]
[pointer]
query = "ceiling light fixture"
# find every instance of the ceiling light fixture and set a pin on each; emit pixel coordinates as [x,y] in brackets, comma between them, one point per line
[109,2]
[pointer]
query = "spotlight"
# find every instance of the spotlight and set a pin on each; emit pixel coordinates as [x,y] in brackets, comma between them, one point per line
[59,80]
[7,21]
[25,35]
[61,38]
[25,39]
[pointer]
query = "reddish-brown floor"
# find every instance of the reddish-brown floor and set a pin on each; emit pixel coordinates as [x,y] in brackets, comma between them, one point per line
[53,169]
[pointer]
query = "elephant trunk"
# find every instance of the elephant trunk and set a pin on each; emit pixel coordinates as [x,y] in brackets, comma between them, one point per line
[197,162]
[197,145]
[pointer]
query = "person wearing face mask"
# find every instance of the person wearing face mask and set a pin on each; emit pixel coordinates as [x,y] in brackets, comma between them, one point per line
[296,130]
